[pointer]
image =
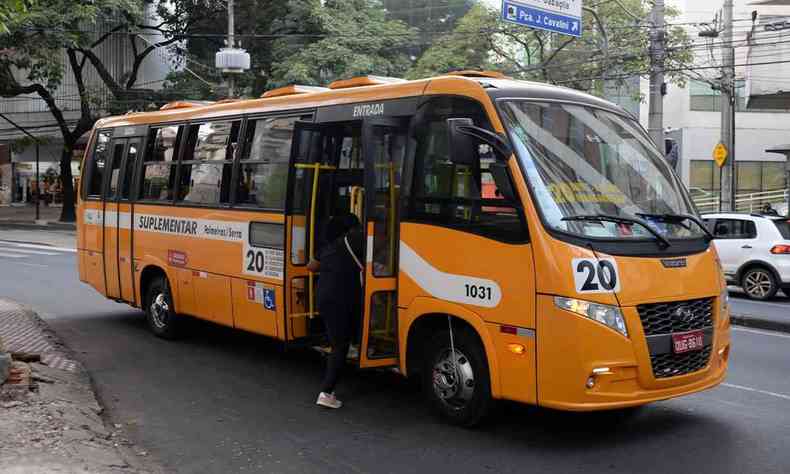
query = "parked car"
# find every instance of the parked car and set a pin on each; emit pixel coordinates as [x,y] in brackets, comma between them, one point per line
[754,250]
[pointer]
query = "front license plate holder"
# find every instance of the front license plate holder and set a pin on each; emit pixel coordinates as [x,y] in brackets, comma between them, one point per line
[689,341]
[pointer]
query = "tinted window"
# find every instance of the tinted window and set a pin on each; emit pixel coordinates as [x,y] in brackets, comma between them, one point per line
[96,164]
[461,196]
[207,163]
[263,170]
[128,174]
[115,168]
[784,227]
[159,168]
[734,229]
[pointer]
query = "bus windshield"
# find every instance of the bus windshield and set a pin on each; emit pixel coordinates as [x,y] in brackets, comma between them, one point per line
[596,173]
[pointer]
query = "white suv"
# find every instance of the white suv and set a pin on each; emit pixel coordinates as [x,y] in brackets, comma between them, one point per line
[754,250]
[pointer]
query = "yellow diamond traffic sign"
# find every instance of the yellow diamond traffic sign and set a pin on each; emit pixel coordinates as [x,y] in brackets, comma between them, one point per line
[720,154]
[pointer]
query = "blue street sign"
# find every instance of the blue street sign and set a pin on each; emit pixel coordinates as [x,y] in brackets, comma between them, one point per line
[268,298]
[534,17]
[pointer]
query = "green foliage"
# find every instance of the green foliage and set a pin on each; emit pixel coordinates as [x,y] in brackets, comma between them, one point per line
[481,40]
[11,11]
[431,18]
[341,39]
[468,46]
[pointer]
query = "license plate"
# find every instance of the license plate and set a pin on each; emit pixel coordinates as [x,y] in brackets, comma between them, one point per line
[687,341]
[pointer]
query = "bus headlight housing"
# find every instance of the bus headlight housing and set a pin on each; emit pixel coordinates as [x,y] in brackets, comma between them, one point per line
[609,316]
[724,308]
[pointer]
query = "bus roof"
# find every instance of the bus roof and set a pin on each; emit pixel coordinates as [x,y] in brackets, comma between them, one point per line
[472,83]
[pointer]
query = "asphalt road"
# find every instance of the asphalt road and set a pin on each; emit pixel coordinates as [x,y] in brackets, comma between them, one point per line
[224,401]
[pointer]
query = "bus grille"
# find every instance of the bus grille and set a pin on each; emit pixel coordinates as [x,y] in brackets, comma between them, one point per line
[670,365]
[663,318]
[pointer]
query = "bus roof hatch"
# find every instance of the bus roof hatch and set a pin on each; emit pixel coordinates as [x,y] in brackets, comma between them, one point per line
[364,81]
[185,104]
[470,73]
[292,90]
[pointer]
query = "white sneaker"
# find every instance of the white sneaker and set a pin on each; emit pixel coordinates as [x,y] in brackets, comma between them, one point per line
[328,400]
[353,352]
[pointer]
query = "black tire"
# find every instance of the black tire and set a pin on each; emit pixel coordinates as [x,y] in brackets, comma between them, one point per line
[759,283]
[458,405]
[160,313]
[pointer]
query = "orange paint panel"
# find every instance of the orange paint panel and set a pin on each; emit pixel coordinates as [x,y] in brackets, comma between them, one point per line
[516,371]
[251,315]
[213,298]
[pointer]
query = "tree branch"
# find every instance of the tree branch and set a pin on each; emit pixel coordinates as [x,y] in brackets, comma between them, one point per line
[76,70]
[138,60]
[104,74]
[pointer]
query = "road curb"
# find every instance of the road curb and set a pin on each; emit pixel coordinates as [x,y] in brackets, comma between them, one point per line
[757,322]
[31,225]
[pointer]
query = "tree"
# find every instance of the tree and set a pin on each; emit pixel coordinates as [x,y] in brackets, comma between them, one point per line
[31,60]
[614,47]
[340,39]
[12,11]
[431,18]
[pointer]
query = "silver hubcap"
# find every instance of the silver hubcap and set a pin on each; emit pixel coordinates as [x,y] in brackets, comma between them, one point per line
[453,384]
[757,283]
[160,310]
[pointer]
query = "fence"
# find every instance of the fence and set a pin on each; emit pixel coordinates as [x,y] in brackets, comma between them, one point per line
[745,202]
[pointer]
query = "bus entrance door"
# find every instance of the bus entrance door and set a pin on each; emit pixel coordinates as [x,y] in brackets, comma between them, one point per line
[384,147]
[117,219]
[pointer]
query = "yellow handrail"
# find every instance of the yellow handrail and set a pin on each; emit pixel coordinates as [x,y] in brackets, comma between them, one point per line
[316,167]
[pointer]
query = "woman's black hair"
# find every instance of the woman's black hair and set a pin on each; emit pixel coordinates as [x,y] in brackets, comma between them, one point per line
[339,225]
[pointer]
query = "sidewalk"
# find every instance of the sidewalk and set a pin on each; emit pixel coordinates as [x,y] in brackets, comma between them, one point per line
[25,216]
[50,416]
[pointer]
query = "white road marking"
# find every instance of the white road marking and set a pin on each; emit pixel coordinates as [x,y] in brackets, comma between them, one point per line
[760,303]
[763,333]
[42,247]
[12,255]
[32,264]
[757,390]
[24,251]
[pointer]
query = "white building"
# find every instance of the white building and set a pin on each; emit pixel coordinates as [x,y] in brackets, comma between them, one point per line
[693,112]
[31,113]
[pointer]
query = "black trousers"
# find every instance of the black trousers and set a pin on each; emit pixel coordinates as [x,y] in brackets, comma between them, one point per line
[339,322]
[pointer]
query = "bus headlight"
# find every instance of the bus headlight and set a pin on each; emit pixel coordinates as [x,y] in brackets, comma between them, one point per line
[609,316]
[724,300]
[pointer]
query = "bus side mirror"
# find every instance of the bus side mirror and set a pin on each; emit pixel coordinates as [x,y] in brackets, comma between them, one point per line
[498,171]
[464,137]
[461,146]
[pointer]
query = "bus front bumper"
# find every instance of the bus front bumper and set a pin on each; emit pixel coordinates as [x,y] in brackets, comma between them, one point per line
[585,366]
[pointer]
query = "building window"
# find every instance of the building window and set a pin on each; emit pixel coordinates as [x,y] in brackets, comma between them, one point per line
[263,169]
[159,168]
[205,170]
[705,99]
[751,177]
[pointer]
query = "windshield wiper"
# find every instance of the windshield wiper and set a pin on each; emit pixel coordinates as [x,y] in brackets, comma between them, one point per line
[621,220]
[677,219]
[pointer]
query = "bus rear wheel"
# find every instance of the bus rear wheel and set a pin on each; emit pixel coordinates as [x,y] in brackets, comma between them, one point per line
[159,309]
[455,379]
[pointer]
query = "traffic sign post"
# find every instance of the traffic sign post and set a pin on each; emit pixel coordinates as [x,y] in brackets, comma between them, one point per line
[564,17]
[720,154]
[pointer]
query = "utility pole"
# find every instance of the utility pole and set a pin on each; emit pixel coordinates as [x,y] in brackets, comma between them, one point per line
[231,44]
[655,123]
[727,198]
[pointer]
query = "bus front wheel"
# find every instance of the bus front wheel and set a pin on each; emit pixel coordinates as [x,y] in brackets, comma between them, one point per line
[159,309]
[455,377]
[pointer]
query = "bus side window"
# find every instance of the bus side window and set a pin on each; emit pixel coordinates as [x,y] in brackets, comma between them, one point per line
[94,169]
[159,168]
[464,197]
[205,168]
[263,168]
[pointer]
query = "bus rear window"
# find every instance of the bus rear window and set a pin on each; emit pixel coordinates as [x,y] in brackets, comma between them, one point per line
[784,227]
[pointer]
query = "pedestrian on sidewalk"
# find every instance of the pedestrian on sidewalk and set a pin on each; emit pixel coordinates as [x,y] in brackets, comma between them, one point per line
[339,295]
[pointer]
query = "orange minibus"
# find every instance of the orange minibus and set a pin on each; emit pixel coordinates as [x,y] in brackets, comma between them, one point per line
[524,241]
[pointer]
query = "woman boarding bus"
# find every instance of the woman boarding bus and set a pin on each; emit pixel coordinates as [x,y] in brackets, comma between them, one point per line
[522,241]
